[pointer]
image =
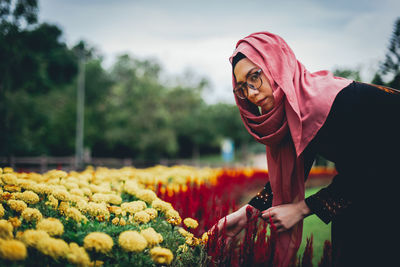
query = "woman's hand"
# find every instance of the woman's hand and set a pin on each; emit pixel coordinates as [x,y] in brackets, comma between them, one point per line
[286,216]
[235,222]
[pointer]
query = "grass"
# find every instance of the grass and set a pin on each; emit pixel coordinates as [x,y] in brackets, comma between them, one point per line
[320,231]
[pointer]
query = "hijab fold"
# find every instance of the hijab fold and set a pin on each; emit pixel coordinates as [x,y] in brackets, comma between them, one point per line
[302,103]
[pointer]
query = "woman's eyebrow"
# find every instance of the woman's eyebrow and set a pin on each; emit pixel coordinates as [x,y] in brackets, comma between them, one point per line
[250,71]
[248,74]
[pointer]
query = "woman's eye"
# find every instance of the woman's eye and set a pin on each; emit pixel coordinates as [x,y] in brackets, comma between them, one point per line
[253,78]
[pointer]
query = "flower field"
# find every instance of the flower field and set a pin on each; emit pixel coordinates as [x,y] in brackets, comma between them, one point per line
[137,217]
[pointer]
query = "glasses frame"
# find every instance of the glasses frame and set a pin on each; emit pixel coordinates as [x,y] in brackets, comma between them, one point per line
[239,87]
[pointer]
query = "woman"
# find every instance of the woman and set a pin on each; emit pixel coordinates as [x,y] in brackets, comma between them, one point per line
[297,115]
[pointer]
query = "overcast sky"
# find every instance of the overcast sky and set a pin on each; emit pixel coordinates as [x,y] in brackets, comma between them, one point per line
[201,35]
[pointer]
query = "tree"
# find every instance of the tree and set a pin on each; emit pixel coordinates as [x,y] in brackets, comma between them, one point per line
[391,64]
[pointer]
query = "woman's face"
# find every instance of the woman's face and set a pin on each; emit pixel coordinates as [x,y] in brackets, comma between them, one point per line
[263,97]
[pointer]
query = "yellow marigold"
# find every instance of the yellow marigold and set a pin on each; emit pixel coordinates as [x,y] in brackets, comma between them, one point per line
[61,194]
[161,205]
[9,178]
[115,221]
[131,187]
[26,184]
[75,215]
[86,191]
[192,241]
[12,188]
[152,212]
[71,185]
[52,202]
[28,196]
[13,250]
[63,207]
[15,222]
[132,241]
[146,195]
[6,229]
[99,197]
[53,247]
[1,211]
[114,199]
[190,223]
[17,205]
[185,233]
[173,217]
[134,206]
[183,248]
[152,237]
[56,174]
[96,209]
[161,255]
[77,255]
[99,242]
[76,192]
[204,237]
[122,222]
[31,237]
[8,170]
[82,205]
[31,214]
[115,209]
[52,226]
[141,217]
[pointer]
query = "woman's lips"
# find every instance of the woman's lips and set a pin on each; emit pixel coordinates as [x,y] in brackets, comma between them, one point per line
[259,103]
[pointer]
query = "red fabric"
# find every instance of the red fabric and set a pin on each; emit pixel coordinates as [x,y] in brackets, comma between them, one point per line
[302,103]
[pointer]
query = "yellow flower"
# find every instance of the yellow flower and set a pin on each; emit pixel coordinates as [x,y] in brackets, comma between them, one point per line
[173,217]
[6,229]
[15,222]
[132,241]
[31,237]
[76,192]
[190,223]
[12,188]
[13,250]
[77,255]
[115,221]
[31,214]
[75,215]
[17,205]
[96,209]
[52,226]
[10,178]
[28,196]
[8,170]
[52,202]
[1,211]
[204,237]
[146,195]
[185,233]
[61,194]
[134,206]
[161,255]
[122,222]
[141,217]
[131,187]
[152,212]
[153,238]
[183,248]
[53,247]
[114,199]
[99,197]
[99,242]
[161,205]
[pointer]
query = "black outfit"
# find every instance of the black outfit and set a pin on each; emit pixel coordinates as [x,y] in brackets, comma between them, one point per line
[361,135]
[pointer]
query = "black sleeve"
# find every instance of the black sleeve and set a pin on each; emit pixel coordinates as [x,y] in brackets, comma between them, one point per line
[330,201]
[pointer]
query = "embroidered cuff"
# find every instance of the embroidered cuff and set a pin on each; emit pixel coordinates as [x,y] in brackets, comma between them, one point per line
[325,206]
[263,200]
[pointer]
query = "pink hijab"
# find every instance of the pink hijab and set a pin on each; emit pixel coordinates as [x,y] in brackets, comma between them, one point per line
[302,103]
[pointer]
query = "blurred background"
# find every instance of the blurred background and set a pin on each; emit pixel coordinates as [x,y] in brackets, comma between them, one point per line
[141,83]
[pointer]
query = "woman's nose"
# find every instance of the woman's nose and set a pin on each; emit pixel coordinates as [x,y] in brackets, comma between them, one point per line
[251,92]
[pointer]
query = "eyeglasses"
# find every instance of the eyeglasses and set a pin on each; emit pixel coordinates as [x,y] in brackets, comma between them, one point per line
[253,81]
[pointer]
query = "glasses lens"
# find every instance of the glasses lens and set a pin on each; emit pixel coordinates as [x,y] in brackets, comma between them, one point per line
[254,80]
[240,91]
